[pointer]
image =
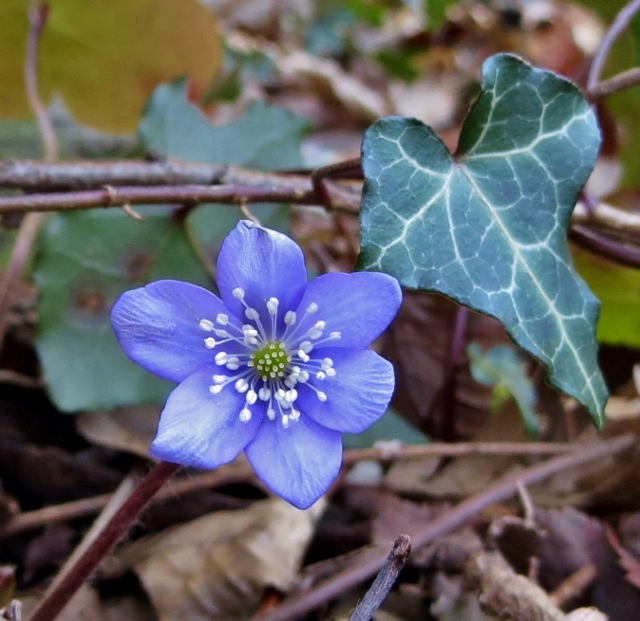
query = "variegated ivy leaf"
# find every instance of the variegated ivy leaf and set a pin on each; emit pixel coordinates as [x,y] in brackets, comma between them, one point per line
[487,226]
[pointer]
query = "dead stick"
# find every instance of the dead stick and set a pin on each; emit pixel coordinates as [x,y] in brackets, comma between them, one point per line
[385,579]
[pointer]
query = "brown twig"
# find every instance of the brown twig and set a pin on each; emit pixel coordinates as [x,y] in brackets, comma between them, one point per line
[620,82]
[30,225]
[447,522]
[185,194]
[618,26]
[55,600]
[37,18]
[603,246]
[320,176]
[385,579]
[235,473]
[574,586]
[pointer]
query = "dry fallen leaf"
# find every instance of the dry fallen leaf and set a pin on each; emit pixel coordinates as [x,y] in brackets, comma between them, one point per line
[219,566]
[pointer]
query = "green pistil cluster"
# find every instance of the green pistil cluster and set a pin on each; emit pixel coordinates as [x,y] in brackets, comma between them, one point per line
[271,361]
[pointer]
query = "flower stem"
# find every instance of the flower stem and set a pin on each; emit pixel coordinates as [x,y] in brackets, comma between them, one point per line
[55,600]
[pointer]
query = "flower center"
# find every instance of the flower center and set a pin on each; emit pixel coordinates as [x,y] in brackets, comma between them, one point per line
[271,361]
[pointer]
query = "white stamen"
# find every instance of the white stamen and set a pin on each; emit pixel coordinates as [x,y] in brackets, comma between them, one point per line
[221,333]
[241,385]
[304,376]
[221,358]
[214,390]
[264,394]
[314,334]
[222,319]
[290,318]
[206,325]
[322,396]
[271,414]
[285,421]
[306,346]
[334,336]
[291,395]
[312,308]
[238,293]
[251,313]
[272,305]
[245,415]
[210,342]
[303,356]
[220,379]
[233,363]
[251,397]
[326,363]
[295,414]
[321,375]
[331,372]
[320,325]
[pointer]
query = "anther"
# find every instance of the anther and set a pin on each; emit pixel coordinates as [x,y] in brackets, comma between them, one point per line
[206,325]
[241,385]
[306,346]
[238,293]
[245,415]
[290,318]
[251,313]
[214,390]
[222,319]
[326,363]
[334,336]
[221,333]
[295,414]
[312,308]
[210,342]
[233,363]
[221,358]
[322,396]
[303,356]
[219,379]
[285,421]
[271,414]
[321,375]
[264,394]
[272,305]
[291,395]
[331,372]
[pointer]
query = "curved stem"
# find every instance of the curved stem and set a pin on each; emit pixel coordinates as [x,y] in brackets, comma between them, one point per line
[54,601]
[615,30]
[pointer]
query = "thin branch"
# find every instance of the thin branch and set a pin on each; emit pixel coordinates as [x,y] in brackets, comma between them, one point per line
[236,473]
[37,18]
[320,176]
[604,246]
[54,601]
[385,579]
[620,82]
[618,26]
[447,522]
[30,225]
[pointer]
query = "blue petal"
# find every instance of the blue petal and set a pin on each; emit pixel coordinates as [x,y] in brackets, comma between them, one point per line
[297,463]
[158,327]
[358,394]
[265,264]
[360,306]
[202,430]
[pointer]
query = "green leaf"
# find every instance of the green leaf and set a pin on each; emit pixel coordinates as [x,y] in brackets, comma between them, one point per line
[85,261]
[488,226]
[501,367]
[266,137]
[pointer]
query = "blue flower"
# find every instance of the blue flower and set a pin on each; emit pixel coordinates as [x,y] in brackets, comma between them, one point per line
[278,367]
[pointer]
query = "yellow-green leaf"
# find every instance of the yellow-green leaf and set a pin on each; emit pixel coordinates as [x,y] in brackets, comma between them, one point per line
[105,58]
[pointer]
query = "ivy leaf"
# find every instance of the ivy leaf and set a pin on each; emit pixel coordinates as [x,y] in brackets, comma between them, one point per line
[487,227]
[502,368]
[85,261]
[266,137]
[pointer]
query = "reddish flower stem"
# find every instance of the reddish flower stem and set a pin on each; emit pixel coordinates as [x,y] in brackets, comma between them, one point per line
[54,601]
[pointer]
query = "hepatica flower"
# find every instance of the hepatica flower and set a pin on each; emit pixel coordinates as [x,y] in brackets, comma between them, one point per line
[277,366]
